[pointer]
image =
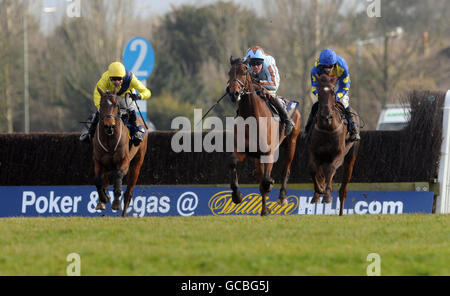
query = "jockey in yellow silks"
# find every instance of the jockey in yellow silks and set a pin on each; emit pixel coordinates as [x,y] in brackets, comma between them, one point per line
[125,82]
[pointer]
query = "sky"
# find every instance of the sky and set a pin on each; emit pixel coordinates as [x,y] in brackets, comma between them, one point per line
[52,10]
[154,6]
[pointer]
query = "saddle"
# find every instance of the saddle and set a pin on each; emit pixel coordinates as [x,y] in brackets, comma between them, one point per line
[131,128]
[289,105]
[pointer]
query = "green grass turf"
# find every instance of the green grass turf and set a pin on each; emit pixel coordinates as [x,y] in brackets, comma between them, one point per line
[227,245]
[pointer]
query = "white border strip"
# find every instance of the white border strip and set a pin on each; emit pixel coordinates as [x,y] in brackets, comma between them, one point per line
[443,200]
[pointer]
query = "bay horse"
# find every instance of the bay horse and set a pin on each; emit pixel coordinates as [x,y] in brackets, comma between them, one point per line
[113,155]
[244,91]
[328,144]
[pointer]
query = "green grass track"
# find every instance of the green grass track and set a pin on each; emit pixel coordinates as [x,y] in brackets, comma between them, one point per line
[227,245]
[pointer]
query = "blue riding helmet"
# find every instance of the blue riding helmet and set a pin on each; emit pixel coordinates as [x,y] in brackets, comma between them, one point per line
[327,57]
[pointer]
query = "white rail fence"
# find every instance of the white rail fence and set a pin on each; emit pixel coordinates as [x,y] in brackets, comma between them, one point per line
[443,199]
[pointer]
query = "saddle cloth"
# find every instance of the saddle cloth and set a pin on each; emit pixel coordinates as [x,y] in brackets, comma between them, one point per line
[290,106]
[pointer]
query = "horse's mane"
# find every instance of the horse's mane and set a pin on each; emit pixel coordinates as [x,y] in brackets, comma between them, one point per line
[236,61]
[324,79]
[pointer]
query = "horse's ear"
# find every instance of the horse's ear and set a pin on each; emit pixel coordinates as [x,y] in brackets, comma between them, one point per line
[231,60]
[100,91]
[333,79]
[317,77]
[246,61]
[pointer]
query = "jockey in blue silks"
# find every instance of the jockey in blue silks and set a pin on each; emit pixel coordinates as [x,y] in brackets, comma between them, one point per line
[333,65]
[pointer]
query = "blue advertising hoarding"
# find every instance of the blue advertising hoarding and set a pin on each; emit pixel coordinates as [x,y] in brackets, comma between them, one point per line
[45,201]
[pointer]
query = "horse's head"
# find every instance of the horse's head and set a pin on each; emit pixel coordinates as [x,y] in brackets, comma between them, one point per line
[326,97]
[239,78]
[109,111]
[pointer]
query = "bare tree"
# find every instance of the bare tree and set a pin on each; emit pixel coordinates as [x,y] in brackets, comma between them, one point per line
[300,29]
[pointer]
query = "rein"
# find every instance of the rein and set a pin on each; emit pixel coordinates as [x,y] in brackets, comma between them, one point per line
[118,141]
[330,116]
[117,117]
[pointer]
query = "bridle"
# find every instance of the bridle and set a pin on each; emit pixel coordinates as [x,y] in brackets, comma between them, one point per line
[242,85]
[329,117]
[110,115]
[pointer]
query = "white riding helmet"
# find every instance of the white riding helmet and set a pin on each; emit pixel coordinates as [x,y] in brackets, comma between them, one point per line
[255,52]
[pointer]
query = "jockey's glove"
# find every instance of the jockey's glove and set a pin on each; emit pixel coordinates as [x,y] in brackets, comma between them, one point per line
[135,97]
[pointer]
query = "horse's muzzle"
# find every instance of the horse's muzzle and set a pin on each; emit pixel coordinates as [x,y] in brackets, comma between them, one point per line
[328,117]
[235,96]
[109,129]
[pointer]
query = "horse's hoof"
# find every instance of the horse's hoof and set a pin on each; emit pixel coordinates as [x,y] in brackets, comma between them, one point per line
[326,199]
[315,200]
[265,212]
[236,197]
[267,185]
[116,205]
[282,201]
[104,198]
[100,206]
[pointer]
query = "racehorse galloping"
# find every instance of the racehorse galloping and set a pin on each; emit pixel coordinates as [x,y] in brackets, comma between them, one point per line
[243,91]
[113,156]
[328,145]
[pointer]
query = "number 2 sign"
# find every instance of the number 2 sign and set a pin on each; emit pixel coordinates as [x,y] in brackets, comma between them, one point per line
[139,58]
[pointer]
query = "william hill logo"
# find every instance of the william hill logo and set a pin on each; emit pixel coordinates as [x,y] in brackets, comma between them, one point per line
[222,204]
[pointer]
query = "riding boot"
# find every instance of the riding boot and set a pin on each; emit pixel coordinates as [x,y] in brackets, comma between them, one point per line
[88,132]
[285,118]
[352,125]
[310,120]
[136,132]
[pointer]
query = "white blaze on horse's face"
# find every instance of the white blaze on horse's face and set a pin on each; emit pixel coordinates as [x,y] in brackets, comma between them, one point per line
[326,88]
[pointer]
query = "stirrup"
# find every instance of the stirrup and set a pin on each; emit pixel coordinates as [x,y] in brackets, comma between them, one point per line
[85,137]
[354,137]
[138,135]
[288,127]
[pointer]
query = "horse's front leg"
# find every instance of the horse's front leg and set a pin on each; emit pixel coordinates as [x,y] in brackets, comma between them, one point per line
[329,172]
[291,145]
[265,186]
[100,184]
[118,177]
[133,175]
[319,182]
[235,158]
[282,199]
[349,162]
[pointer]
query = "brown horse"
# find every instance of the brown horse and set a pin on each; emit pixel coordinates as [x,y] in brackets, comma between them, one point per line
[113,156]
[328,145]
[244,91]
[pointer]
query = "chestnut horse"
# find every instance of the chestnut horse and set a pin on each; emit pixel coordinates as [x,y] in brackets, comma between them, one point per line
[328,145]
[265,141]
[113,155]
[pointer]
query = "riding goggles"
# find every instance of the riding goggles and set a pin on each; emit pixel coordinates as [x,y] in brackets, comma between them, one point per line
[256,62]
[326,66]
[116,78]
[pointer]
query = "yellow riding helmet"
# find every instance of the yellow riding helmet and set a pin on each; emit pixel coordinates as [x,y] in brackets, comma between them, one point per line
[116,69]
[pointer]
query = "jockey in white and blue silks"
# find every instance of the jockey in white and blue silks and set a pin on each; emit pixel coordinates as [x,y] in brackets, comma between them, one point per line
[333,65]
[264,70]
